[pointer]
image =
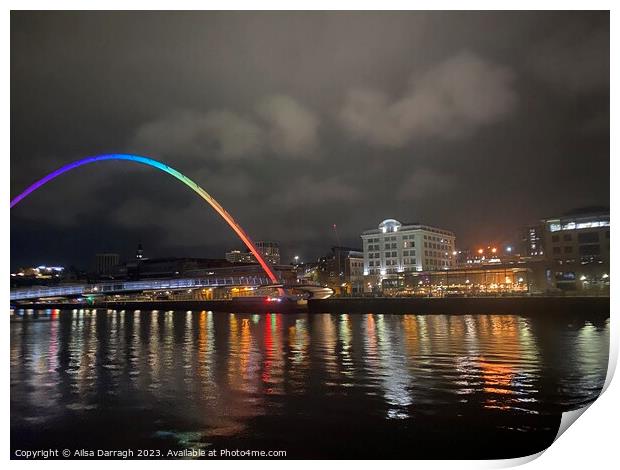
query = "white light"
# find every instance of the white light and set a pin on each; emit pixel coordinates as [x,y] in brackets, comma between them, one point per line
[605,276]
[583,278]
[508,249]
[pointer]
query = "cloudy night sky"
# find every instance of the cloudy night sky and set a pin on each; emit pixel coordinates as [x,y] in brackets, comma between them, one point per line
[474,122]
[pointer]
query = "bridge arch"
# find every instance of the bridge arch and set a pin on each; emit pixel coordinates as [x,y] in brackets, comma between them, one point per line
[171,171]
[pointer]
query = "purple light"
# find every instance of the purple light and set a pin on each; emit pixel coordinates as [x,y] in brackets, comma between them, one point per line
[171,171]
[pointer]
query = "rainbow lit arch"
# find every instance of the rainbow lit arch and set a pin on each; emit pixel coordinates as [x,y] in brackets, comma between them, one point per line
[171,171]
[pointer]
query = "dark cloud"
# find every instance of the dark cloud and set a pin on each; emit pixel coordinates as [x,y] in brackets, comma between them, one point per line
[425,183]
[294,121]
[281,127]
[450,99]
[574,58]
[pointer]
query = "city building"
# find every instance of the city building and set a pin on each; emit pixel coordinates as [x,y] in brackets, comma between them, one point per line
[177,267]
[468,281]
[106,263]
[341,270]
[354,272]
[39,275]
[269,250]
[40,272]
[140,252]
[493,254]
[168,267]
[576,247]
[395,248]
[238,256]
[532,241]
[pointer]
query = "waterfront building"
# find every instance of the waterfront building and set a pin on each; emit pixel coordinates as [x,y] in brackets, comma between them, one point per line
[40,272]
[342,270]
[106,263]
[268,249]
[394,247]
[238,256]
[39,275]
[485,254]
[577,249]
[169,267]
[532,241]
[468,281]
[354,272]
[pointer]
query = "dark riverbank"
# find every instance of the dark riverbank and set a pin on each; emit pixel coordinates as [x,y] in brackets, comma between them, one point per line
[598,306]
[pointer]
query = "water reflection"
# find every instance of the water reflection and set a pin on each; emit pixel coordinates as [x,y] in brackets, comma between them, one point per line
[195,376]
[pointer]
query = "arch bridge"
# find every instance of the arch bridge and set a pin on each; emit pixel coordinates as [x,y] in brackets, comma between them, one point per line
[166,169]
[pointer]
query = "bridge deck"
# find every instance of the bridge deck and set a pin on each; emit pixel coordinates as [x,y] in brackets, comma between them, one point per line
[119,287]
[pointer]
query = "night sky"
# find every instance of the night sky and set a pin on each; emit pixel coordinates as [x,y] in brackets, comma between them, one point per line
[474,122]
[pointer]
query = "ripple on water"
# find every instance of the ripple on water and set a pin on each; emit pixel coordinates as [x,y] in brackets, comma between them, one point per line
[188,377]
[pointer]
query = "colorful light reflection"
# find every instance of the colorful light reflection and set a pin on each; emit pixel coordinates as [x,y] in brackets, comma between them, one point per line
[171,171]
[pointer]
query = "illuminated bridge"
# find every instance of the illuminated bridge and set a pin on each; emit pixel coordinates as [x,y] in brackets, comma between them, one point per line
[129,287]
[120,287]
[112,288]
[166,169]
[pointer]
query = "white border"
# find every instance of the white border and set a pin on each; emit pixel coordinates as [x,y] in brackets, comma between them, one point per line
[591,443]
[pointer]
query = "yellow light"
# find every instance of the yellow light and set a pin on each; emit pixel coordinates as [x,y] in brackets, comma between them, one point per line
[480,251]
[494,250]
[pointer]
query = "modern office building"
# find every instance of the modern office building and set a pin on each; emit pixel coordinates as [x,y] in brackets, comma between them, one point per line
[577,249]
[238,256]
[394,248]
[105,263]
[532,241]
[468,281]
[269,250]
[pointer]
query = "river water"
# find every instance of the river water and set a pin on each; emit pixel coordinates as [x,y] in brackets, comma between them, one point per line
[313,385]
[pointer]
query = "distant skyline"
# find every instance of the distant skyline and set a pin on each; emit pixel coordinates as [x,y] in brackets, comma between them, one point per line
[477,122]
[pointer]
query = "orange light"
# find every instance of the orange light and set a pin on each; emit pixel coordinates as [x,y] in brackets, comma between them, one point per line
[480,251]
[494,250]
